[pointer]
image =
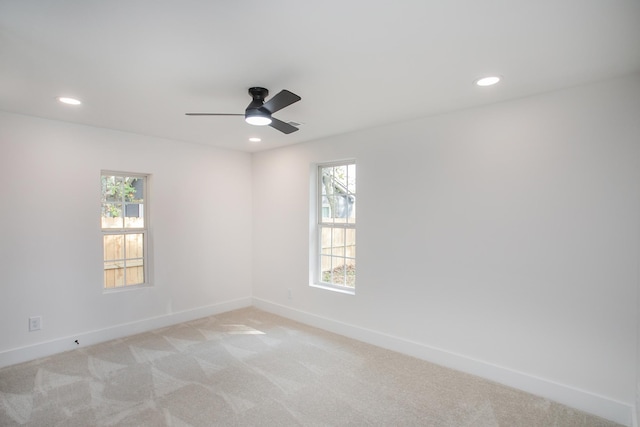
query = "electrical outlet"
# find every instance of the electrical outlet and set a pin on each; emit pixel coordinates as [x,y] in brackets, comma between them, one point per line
[289,293]
[35,323]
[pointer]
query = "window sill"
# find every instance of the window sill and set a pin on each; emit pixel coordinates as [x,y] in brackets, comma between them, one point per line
[348,291]
[126,288]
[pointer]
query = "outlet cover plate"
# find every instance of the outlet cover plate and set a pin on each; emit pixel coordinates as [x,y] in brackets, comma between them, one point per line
[35,323]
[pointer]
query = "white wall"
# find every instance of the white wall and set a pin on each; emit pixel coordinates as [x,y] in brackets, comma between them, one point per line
[50,260]
[501,240]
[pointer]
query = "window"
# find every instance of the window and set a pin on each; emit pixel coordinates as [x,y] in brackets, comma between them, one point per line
[336,263]
[124,222]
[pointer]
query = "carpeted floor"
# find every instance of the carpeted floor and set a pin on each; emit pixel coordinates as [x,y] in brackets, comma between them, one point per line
[251,368]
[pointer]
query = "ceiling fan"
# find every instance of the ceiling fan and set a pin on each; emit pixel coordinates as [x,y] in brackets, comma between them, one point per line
[259,112]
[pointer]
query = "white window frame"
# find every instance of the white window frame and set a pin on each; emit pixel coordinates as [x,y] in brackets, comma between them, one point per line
[317,225]
[124,231]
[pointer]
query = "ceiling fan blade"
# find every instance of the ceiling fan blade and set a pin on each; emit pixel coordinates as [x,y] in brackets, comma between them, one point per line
[213,114]
[283,99]
[282,126]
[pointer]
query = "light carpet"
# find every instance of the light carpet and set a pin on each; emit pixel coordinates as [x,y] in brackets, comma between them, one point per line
[251,368]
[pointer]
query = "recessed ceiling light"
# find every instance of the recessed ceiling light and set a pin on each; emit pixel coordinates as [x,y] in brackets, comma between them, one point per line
[487,81]
[69,101]
[255,139]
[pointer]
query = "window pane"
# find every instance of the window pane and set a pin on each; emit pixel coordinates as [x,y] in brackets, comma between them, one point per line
[134,188]
[135,245]
[325,240]
[340,177]
[112,215]
[134,215]
[338,208]
[351,178]
[328,203]
[351,217]
[135,274]
[112,188]
[350,243]
[325,269]
[350,273]
[337,242]
[344,205]
[113,274]
[113,247]
[339,271]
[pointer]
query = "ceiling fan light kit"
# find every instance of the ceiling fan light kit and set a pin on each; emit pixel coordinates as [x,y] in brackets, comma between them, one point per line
[257,118]
[259,112]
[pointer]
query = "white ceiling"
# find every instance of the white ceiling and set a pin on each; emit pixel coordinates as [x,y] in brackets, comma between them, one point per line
[139,65]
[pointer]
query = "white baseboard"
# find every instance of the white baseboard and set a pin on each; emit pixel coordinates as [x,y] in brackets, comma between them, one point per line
[59,345]
[601,406]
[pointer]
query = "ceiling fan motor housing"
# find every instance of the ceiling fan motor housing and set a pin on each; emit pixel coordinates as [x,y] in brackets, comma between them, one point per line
[258,94]
[255,114]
